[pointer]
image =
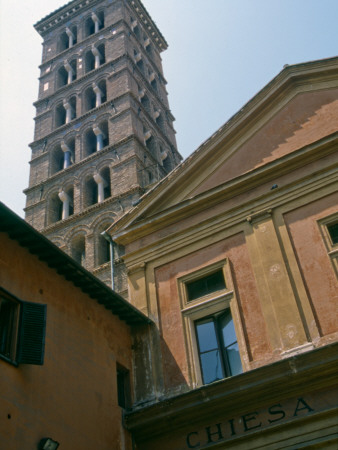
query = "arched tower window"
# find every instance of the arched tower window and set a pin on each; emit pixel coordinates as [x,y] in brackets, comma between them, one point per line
[102,136]
[145,103]
[102,179]
[153,84]
[89,61]
[54,209]
[167,164]
[105,174]
[78,249]
[57,160]
[160,121]
[140,65]
[94,58]
[89,99]
[136,29]
[94,23]
[150,142]
[151,145]
[62,77]
[90,192]
[96,138]
[67,39]
[89,143]
[60,115]
[68,149]
[67,73]
[65,112]
[95,95]
[67,199]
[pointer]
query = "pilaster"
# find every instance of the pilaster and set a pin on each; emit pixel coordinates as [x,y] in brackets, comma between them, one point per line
[279,305]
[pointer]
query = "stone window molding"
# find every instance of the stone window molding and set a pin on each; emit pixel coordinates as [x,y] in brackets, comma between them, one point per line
[213,303]
[326,226]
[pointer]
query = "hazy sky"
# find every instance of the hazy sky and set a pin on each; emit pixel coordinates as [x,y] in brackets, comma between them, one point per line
[221,53]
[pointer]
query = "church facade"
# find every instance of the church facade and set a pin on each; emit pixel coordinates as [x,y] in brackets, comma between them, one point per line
[234,258]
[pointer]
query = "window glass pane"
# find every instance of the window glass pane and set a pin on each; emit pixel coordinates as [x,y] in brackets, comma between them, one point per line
[206,335]
[8,310]
[228,330]
[333,230]
[234,359]
[206,285]
[211,366]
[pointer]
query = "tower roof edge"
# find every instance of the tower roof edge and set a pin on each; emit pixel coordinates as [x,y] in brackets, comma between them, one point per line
[66,11]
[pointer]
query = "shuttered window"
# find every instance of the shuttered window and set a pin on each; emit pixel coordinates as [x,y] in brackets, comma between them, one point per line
[22,330]
[32,333]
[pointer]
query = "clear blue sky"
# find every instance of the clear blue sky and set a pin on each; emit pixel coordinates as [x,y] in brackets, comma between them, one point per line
[221,53]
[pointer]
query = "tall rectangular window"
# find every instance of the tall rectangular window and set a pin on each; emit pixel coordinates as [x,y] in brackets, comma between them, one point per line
[22,330]
[9,314]
[217,347]
[123,387]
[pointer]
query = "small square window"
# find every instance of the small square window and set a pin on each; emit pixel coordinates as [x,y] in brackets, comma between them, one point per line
[203,286]
[333,232]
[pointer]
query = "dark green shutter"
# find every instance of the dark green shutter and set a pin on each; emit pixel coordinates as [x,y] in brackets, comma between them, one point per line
[32,329]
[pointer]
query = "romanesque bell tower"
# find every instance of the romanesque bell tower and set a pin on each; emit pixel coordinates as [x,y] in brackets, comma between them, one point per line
[103,129]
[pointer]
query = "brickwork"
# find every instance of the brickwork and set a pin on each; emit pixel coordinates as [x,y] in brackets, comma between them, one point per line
[126,140]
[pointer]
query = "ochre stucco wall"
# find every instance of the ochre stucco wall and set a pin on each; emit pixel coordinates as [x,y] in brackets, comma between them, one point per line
[72,397]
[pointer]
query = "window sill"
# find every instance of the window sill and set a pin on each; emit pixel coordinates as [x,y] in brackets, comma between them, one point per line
[8,360]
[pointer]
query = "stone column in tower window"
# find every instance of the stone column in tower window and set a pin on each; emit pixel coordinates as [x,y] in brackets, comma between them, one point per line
[97,55]
[69,111]
[67,155]
[99,95]
[96,21]
[70,36]
[70,72]
[65,204]
[99,138]
[101,184]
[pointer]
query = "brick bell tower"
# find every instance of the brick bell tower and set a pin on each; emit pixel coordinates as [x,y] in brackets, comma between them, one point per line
[103,129]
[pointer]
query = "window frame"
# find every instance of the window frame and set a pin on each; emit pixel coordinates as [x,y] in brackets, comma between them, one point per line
[332,248]
[205,306]
[28,332]
[14,328]
[221,345]
[123,387]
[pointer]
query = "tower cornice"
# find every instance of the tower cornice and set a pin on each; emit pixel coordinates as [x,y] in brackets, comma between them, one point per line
[62,14]
[74,7]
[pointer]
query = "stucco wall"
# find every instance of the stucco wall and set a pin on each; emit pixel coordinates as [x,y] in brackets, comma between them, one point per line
[72,397]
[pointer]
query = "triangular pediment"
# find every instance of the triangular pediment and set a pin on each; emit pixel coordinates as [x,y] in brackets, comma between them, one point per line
[296,109]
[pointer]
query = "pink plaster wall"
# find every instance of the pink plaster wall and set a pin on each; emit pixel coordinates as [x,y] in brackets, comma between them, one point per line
[306,119]
[174,354]
[314,262]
